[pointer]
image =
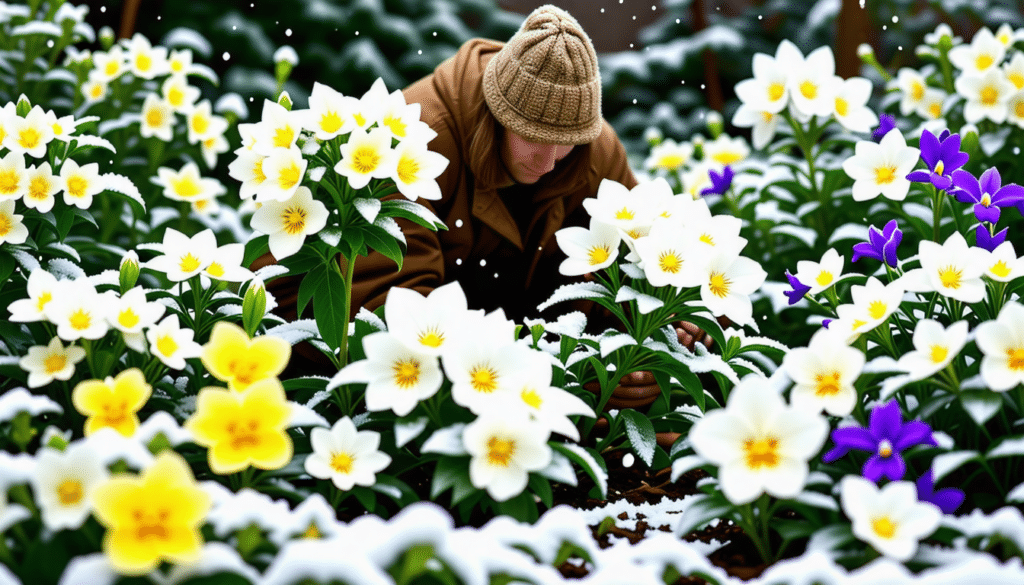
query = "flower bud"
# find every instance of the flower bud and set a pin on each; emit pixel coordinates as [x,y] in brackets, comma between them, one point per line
[715,123]
[254,306]
[106,38]
[24,106]
[21,429]
[285,100]
[159,443]
[129,271]
[865,51]
[55,438]
[945,43]
[653,136]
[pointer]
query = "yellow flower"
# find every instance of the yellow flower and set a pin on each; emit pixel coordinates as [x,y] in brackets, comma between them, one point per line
[152,517]
[114,402]
[242,429]
[234,358]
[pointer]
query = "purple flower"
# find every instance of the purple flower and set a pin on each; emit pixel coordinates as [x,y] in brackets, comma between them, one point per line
[881,245]
[987,195]
[720,183]
[885,123]
[943,157]
[947,499]
[886,437]
[825,322]
[984,239]
[799,289]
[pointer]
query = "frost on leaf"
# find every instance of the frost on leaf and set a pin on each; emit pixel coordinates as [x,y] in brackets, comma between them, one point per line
[447,441]
[374,321]
[575,291]
[614,342]
[124,186]
[62,268]
[417,210]
[296,331]
[645,303]
[367,207]
[391,226]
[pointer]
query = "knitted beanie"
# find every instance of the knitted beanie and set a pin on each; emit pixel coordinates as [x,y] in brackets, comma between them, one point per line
[544,83]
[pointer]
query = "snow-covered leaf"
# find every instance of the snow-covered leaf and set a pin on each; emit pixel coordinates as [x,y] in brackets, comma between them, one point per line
[574,291]
[584,459]
[700,512]
[406,430]
[947,462]
[1008,447]
[367,207]
[614,342]
[123,185]
[644,303]
[62,268]
[296,331]
[686,463]
[37,27]
[981,405]
[304,416]
[447,441]
[560,469]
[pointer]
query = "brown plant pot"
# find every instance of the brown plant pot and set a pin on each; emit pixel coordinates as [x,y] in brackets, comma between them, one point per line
[634,397]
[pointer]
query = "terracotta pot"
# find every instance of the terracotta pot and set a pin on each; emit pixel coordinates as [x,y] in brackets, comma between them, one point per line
[635,397]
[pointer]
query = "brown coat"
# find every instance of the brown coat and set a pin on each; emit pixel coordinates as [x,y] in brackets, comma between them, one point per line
[501,257]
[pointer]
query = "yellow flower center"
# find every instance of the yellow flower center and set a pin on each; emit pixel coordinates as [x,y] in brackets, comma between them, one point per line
[1015,358]
[396,125]
[342,462]
[950,277]
[365,159]
[244,436]
[9,181]
[127,318]
[763,452]
[330,122]
[143,62]
[257,171]
[775,91]
[432,338]
[55,362]
[877,309]
[1018,109]
[885,175]
[1016,79]
[112,68]
[483,379]
[531,398]
[175,96]
[719,285]
[29,138]
[70,492]
[857,324]
[177,66]
[598,254]
[294,220]
[935,109]
[284,137]
[407,373]
[766,117]
[500,451]
[408,169]
[114,415]
[986,200]
[984,61]
[189,263]
[885,448]
[824,278]
[670,262]
[360,119]
[809,90]
[1000,269]
[166,345]
[916,91]
[39,188]
[96,91]
[77,186]
[151,526]
[186,187]
[707,239]
[883,527]
[200,124]
[939,353]
[670,161]
[727,157]
[80,320]
[624,213]
[842,106]
[6,225]
[154,117]
[827,384]
[215,269]
[43,298]
[940,168]
[989,95]
[312,532]
[289,177]
[636,233]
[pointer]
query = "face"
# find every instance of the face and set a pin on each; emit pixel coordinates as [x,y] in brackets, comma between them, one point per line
[529,161]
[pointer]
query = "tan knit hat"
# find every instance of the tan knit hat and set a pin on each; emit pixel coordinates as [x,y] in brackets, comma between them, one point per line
[544,83]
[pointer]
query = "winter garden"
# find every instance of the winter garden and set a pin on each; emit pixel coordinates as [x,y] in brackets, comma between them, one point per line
[859,418]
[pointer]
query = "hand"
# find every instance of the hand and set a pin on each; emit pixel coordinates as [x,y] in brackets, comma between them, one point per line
[690,335]
[635,390]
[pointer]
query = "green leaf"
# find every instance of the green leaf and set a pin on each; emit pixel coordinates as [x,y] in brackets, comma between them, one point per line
[540,486]
[703,510]
[640,433]
[793,529]
[366,497]
[692,385]
[255,248]
[600,369]
[309,285]
[980,405]
[566,347]
[65,220]
[663,403]
[7,266]
[452,472]
[385,243]
[522,507]
[589,459]
[328,302]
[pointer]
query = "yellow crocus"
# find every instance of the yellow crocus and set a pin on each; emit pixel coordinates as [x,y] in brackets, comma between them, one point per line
[113,402]
[152,517]
[243,428]
[232,357]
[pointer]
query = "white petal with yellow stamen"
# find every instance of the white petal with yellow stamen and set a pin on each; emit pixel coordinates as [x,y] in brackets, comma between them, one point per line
[226,264]
[42,186]
[619,206]
[77,311]
[248,169]
[1001,340]
[667,255]
[669,156]
[172,344]
[289,222]
[824,372]
[426,324]
[504,448]
[278,128]
[46,363]
[179,94]
[727,281]
[891,519]
[156,118]
[481,369]
[763,123]
[186,184]
[42,287]
[14,181]
[811,81]
[987,95]
[952,269]
[725,150]
[912,86]
[984,54]
[131,313]
[184,257]
[370,109]
[768,90]
[416,170]
[881,169]
[821,275]
[935,347]
[588,249]
[345,455]
[550,406]
[144,60]
[367,155]
[284,170]
[29,135]
[12,229]
[108,65]
[398,117]
[1003,265]
[330,113]
[63,484]
[850,105]
[202,124]
[81,183]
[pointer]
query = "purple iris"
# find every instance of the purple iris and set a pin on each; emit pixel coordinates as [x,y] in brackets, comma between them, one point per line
[984,239]
[885,123]
[881,245]
[886,437]
[943,157]
[720,182]
[799,289]
[988,194]
[947,499]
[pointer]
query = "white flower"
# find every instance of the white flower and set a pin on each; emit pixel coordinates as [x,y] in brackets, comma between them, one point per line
[426,324]
[172,344]
[1015,108]
[669,155]
[213,146]
[13,176]
[78,311]
[157,118]
[1007,36]
[912,87]
[29,135]
[1003,265]
[283,172]
[46,363]
[881,169]
[289,222]
[953,269]
[943,30]
[725,150]
[811,81]
[329,113]
[890,519]
[366,155]
[108,65]
[934,348]
[81,183]
[983,54]
[1014,70]
[588,249]
[768,90]
[480,370]
[370,109]
[933,105]
[820,275]
[850,107]
[94,91]
[1002,342]
[505,447]
[345,456]
[399,118]
[186,184]
[728,280]
[42,288]
[179,94]
[42,186]
[248,169]
[824,372]
[279,128]
[763,123]
[759,443]
[531,388]
[202,124]
[668,255]
[12,229]
[417,169]
[873,302]
[145,60]
[397,377]
[63,484]
[184,257]
[619,206]
[226,264]
[180,62]
[987,95]
[131,313]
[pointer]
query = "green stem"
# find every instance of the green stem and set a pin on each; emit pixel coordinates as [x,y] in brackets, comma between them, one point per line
[350,269]
[936,212]
[750,526]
